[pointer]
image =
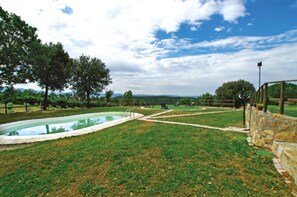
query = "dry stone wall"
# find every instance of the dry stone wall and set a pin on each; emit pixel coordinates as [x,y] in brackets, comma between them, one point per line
[267,127]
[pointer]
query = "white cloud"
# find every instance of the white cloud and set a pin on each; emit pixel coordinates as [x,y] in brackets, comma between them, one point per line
[122,34]
[232,9]
[193,28]
[219,29]
[245,42]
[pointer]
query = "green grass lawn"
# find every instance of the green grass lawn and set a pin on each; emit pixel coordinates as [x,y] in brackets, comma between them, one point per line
[290,110]
[191,110]
[142,159]
[225,119]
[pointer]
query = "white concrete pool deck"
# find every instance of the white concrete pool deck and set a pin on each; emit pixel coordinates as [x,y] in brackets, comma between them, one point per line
[5,140]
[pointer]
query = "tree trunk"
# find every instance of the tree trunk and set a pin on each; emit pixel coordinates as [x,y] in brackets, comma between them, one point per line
[88,99]
[45,103]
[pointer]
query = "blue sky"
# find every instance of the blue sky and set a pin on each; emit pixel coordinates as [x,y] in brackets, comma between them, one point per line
[172,47]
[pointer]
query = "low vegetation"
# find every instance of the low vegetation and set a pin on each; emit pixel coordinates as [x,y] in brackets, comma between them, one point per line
[141,158]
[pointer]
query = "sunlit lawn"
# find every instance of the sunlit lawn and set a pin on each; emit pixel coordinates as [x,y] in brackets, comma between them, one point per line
[224,119]
[142,159]
[290,110]
[176,110]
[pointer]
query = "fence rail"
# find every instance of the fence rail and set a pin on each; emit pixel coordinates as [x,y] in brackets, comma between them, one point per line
[218,103]
[7,107]
[261,96]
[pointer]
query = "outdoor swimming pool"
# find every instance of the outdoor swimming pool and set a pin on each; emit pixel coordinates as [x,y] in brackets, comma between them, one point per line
[57,126]
[29,131]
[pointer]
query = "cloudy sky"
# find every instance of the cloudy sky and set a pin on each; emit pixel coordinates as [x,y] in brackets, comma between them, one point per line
[176,47]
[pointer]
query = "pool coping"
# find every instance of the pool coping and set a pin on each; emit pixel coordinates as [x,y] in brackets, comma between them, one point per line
[6,140]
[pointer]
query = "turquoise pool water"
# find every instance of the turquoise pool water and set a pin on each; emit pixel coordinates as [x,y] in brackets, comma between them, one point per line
[57,126]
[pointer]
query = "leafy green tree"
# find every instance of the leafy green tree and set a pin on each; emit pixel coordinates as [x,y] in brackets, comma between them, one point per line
[108,95]
[232,89]
[89,75]
[52,69]
[290,90]
[17,41]
[206,99]
[185,101]
[127,98]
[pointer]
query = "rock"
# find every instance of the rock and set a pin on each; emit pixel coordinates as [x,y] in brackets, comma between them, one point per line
[259,143]
[269,132]
[268,140]
[286,137]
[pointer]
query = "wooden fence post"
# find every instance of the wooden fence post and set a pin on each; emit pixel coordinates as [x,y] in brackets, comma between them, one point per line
[265,97]
[282,98]
[5,108]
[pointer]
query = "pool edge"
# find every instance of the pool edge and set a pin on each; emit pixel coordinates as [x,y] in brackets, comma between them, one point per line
[10,140]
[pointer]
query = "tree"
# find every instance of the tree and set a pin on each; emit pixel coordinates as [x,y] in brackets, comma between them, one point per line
[206,99]
[89,75]
[108,95]
[52,69]
[290,90]
[17,40]
[232,89]
[127,98]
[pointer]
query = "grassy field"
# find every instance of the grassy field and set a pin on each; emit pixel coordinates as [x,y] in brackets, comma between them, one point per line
[225,119]
[142,159]
[290,110]
[191,110]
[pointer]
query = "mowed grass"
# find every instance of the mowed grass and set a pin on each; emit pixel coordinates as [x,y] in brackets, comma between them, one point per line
[289,110]
[182,110]
[222,119]
[142,159]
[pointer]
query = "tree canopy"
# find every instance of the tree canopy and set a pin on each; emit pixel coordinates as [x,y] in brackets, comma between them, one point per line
[17,40]
[52,69]
[290,90]
[108,95]
[231,90]
[89,75]
[127,98]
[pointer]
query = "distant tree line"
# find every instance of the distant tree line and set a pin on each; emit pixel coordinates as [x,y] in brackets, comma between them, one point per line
[228,91]
[24,58]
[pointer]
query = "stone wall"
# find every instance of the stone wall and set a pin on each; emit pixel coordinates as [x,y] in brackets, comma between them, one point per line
[264,128]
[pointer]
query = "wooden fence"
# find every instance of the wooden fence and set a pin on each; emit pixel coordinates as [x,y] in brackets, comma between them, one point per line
[217,103]
[261,96]
[9,107]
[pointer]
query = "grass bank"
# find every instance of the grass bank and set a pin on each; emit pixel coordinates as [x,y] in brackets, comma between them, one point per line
[143,159]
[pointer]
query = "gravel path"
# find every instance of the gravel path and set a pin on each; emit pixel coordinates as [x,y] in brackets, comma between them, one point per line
[153,118]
